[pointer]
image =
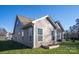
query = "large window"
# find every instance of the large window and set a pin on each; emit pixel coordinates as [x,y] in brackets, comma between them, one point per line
[40,34]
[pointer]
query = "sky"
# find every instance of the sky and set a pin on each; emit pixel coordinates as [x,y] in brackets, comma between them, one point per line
[66,14]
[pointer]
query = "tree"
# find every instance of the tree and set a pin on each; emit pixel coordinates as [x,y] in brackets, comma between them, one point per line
[77,25]
[3,31]
[66,35]
[73,32]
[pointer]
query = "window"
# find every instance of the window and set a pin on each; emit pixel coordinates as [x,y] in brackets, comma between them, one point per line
[22,33]
[40,34]
[18,33]
[58,35]
[53,35]
[30,34]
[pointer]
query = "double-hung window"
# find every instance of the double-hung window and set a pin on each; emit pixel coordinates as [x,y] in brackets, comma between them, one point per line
[40,34]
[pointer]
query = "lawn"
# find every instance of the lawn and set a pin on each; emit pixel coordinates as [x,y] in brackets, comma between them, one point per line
[11,47]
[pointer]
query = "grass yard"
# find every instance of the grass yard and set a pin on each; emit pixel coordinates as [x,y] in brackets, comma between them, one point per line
[11,47]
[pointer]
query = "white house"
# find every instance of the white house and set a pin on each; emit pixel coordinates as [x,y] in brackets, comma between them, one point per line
[35,33]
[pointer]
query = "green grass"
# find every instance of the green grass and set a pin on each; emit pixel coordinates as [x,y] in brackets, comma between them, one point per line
[11,47]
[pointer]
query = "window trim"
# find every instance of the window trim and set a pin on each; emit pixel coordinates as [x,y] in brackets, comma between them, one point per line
[42,34]
[22,33]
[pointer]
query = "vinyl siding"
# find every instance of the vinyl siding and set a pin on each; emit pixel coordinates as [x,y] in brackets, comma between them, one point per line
[47,30]
[19,32]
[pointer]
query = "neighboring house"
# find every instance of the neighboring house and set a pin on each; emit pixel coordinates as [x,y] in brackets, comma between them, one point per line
[8,35]
[34,33]
[3,32]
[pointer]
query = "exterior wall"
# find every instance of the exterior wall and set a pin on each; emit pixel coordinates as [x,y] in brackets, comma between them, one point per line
[28,37]
[9,36]
[47,32]
[55,41]
[21,36]
[60,34]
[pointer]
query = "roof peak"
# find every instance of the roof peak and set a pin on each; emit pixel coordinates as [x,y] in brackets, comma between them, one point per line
[24,20]
[24,17]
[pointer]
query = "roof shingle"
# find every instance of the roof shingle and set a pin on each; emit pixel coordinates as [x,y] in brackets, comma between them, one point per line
[24,20]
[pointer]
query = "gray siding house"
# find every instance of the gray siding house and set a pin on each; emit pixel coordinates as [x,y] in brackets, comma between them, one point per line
[35,33]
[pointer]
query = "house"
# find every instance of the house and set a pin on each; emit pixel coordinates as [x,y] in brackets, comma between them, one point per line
[34,33]
[8,35]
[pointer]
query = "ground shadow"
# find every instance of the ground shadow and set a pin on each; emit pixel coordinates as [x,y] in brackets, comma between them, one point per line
[11,45]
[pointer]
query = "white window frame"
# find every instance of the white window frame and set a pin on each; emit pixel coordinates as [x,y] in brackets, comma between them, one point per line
[42,34]
[22,33]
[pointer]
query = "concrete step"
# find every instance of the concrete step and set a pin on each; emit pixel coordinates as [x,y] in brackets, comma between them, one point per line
[53,46]
[50,47]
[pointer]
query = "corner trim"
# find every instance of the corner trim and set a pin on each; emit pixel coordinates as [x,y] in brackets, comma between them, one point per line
[33,36]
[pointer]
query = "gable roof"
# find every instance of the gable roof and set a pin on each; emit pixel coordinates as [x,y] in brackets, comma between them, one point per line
[28,22]
[51,21]
[24,20]
[45,17]
[57,22]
